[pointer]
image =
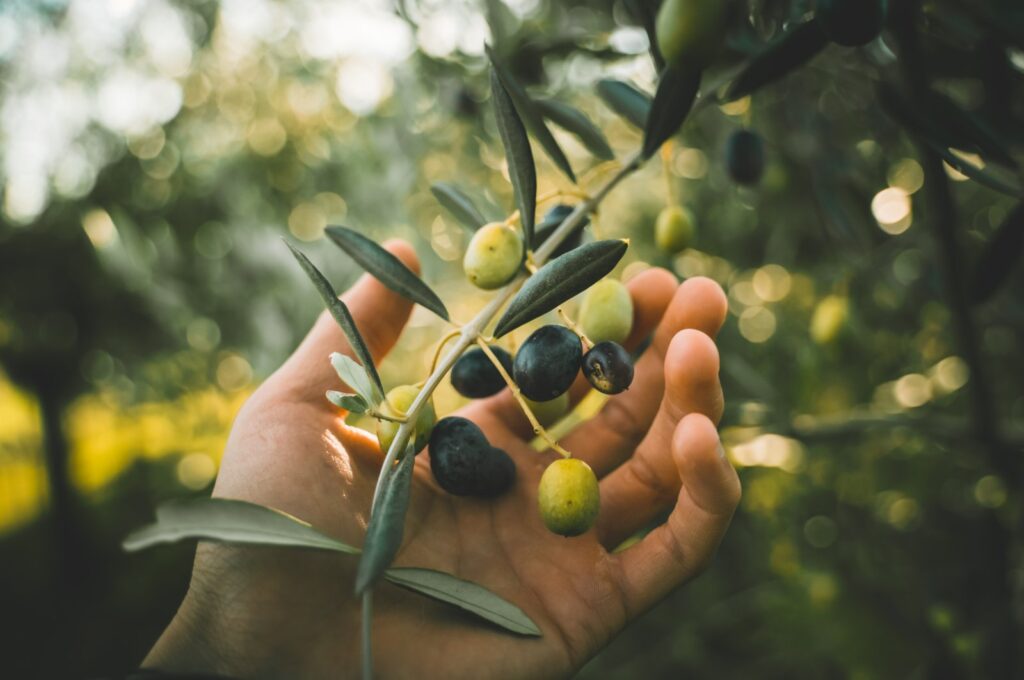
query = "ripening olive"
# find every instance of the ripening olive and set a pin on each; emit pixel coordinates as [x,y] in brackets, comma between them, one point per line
[551,411]
[395,405]
[690,33]
[674,229]
[569,497]
[851,23]
[744,157]
[493,256]
[829,318]
[474,375]
[464,463]
[552,219]
[607,311]
[608,367]
[547,363]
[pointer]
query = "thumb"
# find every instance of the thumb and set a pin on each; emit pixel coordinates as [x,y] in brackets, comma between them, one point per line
[380,315]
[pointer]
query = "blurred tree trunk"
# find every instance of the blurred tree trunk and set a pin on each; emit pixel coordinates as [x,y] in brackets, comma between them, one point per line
[68,528]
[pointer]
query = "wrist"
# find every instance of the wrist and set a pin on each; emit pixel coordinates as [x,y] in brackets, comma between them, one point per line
[259,612]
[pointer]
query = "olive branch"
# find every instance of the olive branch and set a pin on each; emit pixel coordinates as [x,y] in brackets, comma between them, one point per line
[534,289]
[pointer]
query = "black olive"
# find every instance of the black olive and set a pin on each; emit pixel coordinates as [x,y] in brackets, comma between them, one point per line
[608,367]
[464,463]
[474,375]
[547,363]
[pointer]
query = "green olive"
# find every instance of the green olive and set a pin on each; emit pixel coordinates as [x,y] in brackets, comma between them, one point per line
[493,256]
[395,405]
[675,229]
[607,312]
[829,318]
[549,412]
[690,33]
[569,497]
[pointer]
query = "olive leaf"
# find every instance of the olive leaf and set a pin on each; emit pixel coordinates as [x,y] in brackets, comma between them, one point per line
[924,128]
[234,521]
[966,128]
[527,110]
[791,50]
[231,521]
[339,310]
[1000,256]
[573,120]
[560,279]
[625,100]
[354,375]
[458,204]
[521,169]
[466,595]
[387,523]
[350,402]
[676,93]
[386,268]
[980,175]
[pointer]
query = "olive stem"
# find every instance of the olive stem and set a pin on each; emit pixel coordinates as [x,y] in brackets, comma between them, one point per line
[380,416]
[440,346]
[538,429]
[469,333]
[587,344]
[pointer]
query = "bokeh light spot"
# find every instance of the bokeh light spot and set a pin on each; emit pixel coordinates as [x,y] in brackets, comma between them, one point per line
[196,470]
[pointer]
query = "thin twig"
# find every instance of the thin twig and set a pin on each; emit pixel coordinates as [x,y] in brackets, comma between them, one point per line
[538,429]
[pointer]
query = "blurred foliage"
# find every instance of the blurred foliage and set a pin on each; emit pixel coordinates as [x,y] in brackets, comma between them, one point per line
[154,152]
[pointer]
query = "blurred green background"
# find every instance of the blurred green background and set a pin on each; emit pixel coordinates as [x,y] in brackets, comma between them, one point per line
[154,153]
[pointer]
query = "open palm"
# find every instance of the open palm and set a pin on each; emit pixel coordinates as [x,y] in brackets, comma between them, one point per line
[273,612]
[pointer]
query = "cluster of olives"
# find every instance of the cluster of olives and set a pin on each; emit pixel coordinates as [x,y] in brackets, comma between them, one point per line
[543,369]
[545,366]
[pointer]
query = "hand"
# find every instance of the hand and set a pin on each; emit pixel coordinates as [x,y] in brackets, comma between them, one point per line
[276,612]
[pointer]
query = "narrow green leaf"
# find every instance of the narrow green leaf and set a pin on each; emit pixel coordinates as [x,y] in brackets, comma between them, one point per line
[980,175]
[521,168]
[354,375]
[625,100]
[387,268]
[350,402]
[339,310]
[573,120]
[387,524]
[458,204]
[527,110]
[466,595]
[235,521]
[791,50]
[1000,256]
[676,93]
[231,521]
[924,128]
[966,129]
[559,280]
